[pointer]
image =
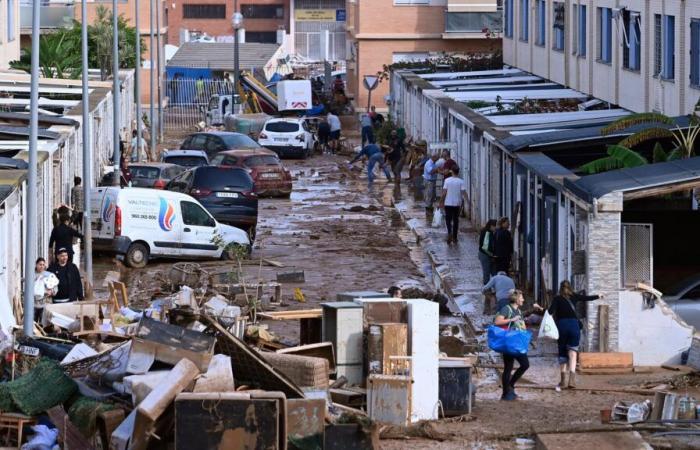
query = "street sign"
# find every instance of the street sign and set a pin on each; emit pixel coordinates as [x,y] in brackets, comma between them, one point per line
[370,82]
[340,15]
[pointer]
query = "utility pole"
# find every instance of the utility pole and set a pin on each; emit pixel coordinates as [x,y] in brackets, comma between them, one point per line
[87,150]
[115,92]
[30,249]
[237,22]
[151,109]
[137,84]
[160,81]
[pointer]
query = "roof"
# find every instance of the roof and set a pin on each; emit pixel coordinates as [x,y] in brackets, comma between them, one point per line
[44,119]
[545,166]
[219,55]
[636,178]
[12,177]
[24,131]
[5,192]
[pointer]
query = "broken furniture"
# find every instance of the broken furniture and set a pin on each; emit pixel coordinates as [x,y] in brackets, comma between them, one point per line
[15,422]
[305,423]
[342,326]
[455,390]
[305,371]
[309,323]
[385,340]
[320,350]
[389,394]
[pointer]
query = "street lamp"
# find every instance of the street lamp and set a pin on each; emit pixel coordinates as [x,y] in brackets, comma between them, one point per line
[237,22]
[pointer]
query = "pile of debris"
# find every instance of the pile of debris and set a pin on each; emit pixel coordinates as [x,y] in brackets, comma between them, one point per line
[194,368]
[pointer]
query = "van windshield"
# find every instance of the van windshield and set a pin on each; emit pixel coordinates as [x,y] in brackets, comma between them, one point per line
[282,127]
[218,178]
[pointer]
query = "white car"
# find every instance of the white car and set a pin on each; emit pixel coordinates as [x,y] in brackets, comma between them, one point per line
[288,137]
[138,224]
[684,299]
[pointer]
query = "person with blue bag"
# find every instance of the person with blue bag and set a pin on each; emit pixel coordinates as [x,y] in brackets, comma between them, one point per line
[510,337]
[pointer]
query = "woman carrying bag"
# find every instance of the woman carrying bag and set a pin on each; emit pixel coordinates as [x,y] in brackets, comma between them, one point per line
[563,310]
[510,318]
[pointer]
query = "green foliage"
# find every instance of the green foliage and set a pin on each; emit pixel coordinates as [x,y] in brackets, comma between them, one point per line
[476,104]
[601,165]
[60,51]
[650,134]
[636,119]
[451,63]
[383,133]
[618,158]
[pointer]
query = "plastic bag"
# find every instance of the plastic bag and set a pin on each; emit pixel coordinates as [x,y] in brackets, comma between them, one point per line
[548,329]
[437,218]
[44,438]
[510,342]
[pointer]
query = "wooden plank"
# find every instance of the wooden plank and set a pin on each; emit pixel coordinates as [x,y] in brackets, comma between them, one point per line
[606,371]
[292,315]
[605,360]
[68,434]
[603,314]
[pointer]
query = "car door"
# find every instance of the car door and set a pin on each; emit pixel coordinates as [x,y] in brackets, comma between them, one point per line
[198,232]
[308,136]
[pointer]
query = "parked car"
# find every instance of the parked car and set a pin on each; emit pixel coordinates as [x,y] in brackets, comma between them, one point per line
[108,180]
[153,175]
[266,169]
[227,193]
[186,158]
[288,137]
[138,224]
[684,299]
[213,142]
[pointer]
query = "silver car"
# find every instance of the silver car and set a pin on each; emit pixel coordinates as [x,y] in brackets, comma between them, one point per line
[684,299]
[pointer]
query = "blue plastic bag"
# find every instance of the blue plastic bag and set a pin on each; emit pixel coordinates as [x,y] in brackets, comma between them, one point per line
[510,342]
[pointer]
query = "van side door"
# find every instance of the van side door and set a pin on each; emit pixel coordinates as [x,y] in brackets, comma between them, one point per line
[198,231]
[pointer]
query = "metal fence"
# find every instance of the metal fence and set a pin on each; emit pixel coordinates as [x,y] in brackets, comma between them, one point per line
[189,101]
[637,254]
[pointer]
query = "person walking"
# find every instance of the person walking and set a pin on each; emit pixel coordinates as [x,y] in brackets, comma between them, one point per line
[62,236]
[374,156]
[502,286]
[77,202]
[70,286]
[45,284]
[503,245]
[334,123]
[510,317]
[429,178]
[486,256]
[563,310]
[324,135]
[451,202]
[367,130]
[396,156]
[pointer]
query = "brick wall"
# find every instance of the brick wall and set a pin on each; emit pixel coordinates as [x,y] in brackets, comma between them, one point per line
[603,263]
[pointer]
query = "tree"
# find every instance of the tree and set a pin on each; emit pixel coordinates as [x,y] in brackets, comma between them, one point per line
[57,57]
[100,41]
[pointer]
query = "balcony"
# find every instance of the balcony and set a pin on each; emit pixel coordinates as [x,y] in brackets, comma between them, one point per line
[53,15]
[468,24]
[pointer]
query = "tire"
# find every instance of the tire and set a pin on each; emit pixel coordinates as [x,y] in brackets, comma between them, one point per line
[137,256]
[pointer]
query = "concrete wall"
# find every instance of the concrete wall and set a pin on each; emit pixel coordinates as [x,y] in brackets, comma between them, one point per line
[9,50]
[638,91]
[641,329]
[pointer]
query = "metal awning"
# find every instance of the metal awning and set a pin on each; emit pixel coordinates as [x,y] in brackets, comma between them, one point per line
[496,80]
[22,89]
[505,87]
[546,168]
[535,94]
[24,132]
[476,73]
[42,102]
[552,118]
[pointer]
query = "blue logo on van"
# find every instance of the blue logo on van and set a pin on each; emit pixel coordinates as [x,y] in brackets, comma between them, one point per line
[108,210]
[166,215]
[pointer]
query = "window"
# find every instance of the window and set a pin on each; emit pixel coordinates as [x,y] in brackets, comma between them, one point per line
[558,26]
[524,20]
[193,214]
[541,22]
[508,13]
[263,11]
[198,142]
[695,52]
[262,160]
[261,37]
[411,2]
[581,31]
[605,35]
[10,20]
[236,140]
[203,11]
[282,127]
[669,48]
[473,22]
[631,48]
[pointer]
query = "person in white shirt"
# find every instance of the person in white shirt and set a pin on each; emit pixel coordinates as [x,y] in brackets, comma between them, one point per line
[334,123]
[451,202]
[429,178]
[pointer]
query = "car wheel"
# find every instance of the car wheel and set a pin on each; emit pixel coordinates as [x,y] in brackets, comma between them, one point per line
[137,256]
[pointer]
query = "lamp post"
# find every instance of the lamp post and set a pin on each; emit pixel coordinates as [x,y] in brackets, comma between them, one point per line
[116,98]
[237,21]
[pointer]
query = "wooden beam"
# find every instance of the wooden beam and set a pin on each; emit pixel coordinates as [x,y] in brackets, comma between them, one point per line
[603,328]
[661,190]
[292,315]
[605,360]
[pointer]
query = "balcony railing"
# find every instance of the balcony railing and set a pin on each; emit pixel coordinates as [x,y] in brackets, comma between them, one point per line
[53,15]
[473,22]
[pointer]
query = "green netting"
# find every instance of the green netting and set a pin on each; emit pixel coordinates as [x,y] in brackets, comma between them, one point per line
[42,388]
[6,403]
[83,413]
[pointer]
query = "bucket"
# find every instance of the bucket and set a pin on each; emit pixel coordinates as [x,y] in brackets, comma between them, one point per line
[605,415]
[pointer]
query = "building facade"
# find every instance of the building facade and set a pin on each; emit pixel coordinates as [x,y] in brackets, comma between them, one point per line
[382,32]
[641,55]
[263,19]
[9,32]
[318,29]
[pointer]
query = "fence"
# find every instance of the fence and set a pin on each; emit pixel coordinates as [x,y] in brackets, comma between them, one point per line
[189,101]
[637,254]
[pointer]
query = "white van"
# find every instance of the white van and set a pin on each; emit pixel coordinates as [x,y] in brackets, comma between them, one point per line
[138,224]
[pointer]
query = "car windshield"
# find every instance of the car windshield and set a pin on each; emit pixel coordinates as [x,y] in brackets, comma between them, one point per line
[261,160]
[216,178]
[144,172]
[282,127]
[186,161]
[238,141]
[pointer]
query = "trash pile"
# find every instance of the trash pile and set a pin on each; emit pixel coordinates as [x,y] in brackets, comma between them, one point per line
[194,368]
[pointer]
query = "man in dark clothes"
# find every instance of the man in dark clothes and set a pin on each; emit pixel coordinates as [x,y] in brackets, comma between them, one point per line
[396,156]
[70,286]
[62,236]
[324,135]
[503,245]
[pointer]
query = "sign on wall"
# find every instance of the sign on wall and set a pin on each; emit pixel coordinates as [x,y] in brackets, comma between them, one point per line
[319,15]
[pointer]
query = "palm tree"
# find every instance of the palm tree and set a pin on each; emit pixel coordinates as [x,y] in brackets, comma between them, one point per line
[57,57]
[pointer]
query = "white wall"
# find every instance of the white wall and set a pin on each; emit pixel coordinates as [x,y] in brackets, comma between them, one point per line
[656,336]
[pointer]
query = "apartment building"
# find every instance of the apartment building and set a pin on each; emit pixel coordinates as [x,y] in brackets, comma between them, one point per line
[318,29]
[262,19]
[382,32]
[641,55]
[9,34]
